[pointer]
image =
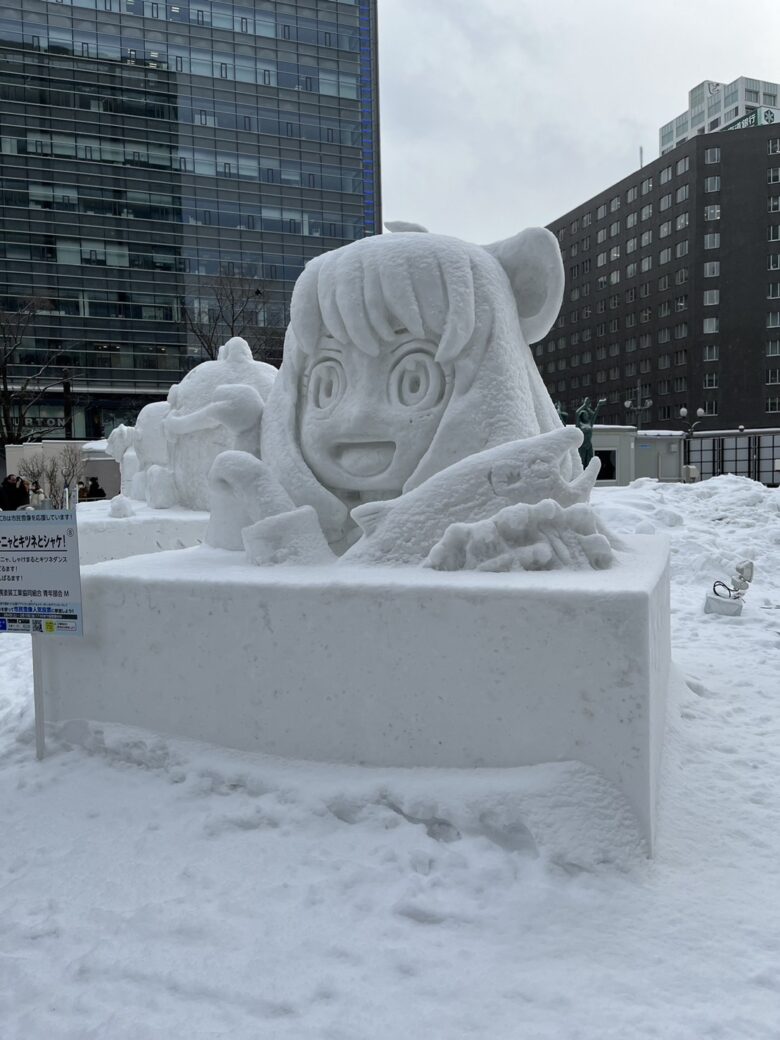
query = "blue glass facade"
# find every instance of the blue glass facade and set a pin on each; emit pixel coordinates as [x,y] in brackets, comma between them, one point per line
[146,148]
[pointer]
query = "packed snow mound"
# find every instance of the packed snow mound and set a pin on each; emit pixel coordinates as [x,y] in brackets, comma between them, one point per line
[720,521]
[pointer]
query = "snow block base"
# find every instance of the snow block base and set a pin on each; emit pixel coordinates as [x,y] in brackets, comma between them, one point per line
[378,666]
[104,537]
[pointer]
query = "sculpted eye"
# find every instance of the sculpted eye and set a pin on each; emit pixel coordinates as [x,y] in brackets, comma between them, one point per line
[416,381]
[327,383]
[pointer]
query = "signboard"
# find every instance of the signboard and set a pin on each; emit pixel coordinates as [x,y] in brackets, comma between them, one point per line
[760,117]
[40,581]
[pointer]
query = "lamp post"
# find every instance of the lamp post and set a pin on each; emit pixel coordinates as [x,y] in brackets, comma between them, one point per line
[640,408]
[690,425]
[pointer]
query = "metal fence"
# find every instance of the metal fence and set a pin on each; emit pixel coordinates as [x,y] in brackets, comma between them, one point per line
[746,453]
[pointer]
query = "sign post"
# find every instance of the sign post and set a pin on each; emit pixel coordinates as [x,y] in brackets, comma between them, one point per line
[40,585]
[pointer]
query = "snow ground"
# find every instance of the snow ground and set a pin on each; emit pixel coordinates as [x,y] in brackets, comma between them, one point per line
[155,889]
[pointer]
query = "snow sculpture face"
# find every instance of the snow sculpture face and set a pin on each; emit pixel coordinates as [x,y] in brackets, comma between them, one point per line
[405,354]
[367,419]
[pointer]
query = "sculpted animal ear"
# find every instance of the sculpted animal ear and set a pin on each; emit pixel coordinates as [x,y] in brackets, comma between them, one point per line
[532,262]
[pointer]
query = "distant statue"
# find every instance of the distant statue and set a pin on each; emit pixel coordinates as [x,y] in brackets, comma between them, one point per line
[585,420]
[563,415]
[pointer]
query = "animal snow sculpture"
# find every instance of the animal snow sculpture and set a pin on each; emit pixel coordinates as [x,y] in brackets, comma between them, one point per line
[216,407]
[151,451]
[408,399]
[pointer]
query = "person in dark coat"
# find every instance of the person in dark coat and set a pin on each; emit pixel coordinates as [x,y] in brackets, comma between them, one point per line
[13,493]
[95,490]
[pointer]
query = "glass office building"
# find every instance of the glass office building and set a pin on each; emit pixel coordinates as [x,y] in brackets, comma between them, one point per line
[147,147]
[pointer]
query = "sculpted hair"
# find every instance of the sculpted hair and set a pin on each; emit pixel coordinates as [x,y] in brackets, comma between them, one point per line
[433,286]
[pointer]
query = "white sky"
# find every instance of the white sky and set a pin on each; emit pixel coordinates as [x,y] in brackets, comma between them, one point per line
[500,114]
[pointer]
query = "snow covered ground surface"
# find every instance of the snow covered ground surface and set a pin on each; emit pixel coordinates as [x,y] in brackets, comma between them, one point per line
[157,889]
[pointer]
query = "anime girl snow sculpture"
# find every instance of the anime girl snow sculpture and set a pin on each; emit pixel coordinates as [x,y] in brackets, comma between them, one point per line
[408,400]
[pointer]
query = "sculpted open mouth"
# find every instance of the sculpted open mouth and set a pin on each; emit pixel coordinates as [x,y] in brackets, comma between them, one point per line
[364,458]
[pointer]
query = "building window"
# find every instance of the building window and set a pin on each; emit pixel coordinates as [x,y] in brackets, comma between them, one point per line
[645,340]
[773,204]
[645,315]
[663,336]
[683,165]
[681,330]
[664,361]
[630,345]
[710,381]
[614,204]
[680,303]
[773,320]
[681,249]
[632,194]
[712,212]
[665,229]
[711,184]
[646,186]
[665,256]
[712,241]
[631,270]
[773,404]
[665,175]
[680,384]
[681,276]
[645,263]
[662,387]
[710,407]
[646,212]
[665,203]
[711,352]
[773,291]
[631,220]
[711,297]
[773,146]
[663,282]
[681,195]
[587,218]
[773,376]
[601,259]
[601,235]
[773,348]
[711,155]
[773,175]
[601,212]
[712,269]
[773,233]
[681,221]
[664,309]
[710,326]
[646,238]
[614,228]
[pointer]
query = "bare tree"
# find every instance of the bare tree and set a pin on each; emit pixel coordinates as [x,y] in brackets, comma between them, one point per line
[19,394]
[55,473]
[230,305]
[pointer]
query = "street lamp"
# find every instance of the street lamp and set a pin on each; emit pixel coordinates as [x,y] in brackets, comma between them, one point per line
[690,425]
[637,406]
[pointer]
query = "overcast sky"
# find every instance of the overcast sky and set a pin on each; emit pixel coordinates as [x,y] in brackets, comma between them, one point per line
[500,114]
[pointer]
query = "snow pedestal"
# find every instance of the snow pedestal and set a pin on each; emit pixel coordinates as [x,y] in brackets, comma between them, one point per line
[378,666]
[105,537]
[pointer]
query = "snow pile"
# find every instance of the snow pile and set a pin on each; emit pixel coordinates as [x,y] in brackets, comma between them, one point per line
[154,888]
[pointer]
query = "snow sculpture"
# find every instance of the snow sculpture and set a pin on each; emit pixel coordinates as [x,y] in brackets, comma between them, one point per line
[408,400]
[215,408]
[165,459]
[120,448]
[151,452]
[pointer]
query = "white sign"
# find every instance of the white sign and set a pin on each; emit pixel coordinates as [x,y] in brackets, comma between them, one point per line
[40,581]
